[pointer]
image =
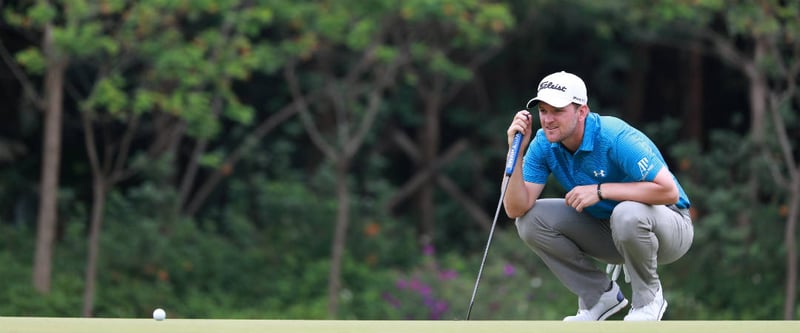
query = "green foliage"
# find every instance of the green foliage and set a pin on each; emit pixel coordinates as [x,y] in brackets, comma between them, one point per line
[514,285]
[260,248]
[245,263]
[212,159]
[18,295]
[742,245]
[108,94]
[41,12]
[266,256]
[467,27]
[441,65]
[144,100]
[32,60]
[85,40]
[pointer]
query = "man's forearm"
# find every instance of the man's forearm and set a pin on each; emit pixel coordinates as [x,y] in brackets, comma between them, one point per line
[645,192]
[516,196]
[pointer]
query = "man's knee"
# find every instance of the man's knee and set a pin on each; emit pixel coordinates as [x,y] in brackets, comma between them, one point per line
[628,220]
[526,228]
[531,227]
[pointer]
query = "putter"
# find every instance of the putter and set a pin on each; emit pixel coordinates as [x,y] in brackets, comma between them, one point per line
[511,161]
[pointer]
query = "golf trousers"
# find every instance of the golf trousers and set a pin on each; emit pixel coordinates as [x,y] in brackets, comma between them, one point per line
[639,235]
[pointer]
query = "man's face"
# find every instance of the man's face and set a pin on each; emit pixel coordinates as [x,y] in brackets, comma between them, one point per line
[559,124]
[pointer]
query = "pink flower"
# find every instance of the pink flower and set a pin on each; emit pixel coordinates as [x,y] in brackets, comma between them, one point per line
[415,284]
[428,250]
[448,275]
[425,290]
[509,270]
[394,302]
[401,284]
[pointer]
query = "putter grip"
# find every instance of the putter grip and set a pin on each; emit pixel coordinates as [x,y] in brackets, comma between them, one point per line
[511,160]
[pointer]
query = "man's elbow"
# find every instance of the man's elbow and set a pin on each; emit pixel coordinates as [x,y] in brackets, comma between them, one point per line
[675,198]
[513,215]
[673,195]
[515,212]
[512,212]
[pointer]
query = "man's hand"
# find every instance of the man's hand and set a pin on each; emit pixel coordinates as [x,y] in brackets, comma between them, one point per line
[582,196]
[522,123]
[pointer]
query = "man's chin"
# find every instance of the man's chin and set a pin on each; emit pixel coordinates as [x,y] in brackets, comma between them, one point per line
[552,138]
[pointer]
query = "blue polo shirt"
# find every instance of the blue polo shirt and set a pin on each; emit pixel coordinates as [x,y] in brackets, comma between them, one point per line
[611,152]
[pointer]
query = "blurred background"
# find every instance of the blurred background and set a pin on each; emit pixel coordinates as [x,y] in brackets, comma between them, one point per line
[283,159]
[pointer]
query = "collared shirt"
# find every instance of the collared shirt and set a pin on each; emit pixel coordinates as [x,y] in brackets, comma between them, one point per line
[611,152]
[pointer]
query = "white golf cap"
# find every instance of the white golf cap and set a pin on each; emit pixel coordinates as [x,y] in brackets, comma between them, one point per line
[560,89]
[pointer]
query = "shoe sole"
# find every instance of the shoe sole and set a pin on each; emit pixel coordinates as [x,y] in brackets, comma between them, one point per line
[661,312]
[663,309]
[614,309]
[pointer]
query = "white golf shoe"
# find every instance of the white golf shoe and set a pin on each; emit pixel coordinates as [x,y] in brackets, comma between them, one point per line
[652,311]
[610,303]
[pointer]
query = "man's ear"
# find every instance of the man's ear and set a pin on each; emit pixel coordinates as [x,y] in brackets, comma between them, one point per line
[583,111]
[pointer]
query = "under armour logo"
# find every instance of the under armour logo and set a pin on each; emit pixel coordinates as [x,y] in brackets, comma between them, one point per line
[599,173]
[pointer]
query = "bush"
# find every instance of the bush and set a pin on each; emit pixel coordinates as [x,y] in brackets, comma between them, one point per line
[514,286]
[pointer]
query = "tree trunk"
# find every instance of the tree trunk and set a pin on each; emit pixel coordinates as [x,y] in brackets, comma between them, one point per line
[429,144]
[51,158]
[339,237]
[693,107]
[198,199]
[790,237]
[758,93]
[98,203]
[637,84]
[189,174]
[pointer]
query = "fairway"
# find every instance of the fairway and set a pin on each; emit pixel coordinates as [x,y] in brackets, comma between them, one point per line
[100,325]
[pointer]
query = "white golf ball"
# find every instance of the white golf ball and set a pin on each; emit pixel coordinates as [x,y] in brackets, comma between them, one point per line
[159,314]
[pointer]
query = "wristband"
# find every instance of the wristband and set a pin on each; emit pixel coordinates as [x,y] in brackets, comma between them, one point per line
[599,193]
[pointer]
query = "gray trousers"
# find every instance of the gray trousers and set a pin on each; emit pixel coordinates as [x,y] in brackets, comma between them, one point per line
[639,235]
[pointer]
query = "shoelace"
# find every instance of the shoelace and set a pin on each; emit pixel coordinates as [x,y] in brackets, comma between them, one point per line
[615,269]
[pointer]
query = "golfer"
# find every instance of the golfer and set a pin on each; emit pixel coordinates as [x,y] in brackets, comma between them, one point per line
[623,205]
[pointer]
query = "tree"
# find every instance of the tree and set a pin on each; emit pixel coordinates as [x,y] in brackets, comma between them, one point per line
[179,80]
[760,40]
[48,217]
[50,58]
[117,50]
[448,44]
[254,52]
[351,96]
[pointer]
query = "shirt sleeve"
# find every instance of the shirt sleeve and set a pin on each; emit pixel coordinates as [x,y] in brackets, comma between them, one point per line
[534,168]
[638,156]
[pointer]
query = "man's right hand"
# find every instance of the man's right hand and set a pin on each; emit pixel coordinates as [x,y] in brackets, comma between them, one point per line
[522,123]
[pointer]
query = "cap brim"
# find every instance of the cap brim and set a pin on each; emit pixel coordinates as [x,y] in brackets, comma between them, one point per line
[549,96]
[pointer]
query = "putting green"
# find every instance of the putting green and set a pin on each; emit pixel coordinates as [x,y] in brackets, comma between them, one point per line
[103,325]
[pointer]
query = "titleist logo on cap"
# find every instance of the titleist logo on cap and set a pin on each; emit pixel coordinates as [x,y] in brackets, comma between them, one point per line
[551,85]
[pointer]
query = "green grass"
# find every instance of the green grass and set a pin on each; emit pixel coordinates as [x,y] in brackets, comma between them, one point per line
[103,325]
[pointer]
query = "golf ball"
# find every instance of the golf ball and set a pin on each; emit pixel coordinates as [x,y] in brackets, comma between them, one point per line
[159,314]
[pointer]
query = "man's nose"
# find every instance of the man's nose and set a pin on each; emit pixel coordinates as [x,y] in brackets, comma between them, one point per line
[545,118]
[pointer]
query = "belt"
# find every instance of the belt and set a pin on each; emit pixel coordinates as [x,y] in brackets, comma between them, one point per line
[684,211]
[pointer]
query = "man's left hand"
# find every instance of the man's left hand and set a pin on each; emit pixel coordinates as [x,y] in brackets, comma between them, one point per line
[581,197]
